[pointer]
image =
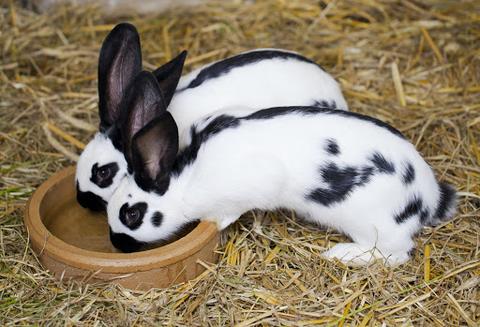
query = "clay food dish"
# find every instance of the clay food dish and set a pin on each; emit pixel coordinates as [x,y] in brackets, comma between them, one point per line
[73,243]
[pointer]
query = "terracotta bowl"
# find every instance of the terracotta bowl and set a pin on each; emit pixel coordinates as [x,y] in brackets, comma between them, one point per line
[73,243]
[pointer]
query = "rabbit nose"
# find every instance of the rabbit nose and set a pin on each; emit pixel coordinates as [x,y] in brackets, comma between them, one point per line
[90,200]
[124,242]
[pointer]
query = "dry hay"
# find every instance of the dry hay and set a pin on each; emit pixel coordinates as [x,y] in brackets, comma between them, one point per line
[413,64]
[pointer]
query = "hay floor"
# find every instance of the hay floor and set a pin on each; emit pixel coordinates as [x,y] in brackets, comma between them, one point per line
[414,64]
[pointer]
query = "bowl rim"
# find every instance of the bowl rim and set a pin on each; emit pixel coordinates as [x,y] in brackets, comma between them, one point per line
[47,243]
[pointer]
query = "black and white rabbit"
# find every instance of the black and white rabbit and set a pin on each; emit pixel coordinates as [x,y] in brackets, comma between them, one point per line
[340,169]
[252,80]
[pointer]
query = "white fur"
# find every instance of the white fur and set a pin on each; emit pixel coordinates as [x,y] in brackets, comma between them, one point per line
[266,83]
[274,163]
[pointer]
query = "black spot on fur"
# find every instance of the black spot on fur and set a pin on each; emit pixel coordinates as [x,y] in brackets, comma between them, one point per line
[329,197]
[325,104]
[124,242]
[90,200]
[447,201]
[157,218]
[342,181]
[224,66]
[409,174]
[412,208]
[332,147]
[103,176]
[336,176]
[365,173]
[424,215]
[132,216]
[382,164]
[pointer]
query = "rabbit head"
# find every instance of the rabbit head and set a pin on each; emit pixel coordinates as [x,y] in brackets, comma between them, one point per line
[102,165]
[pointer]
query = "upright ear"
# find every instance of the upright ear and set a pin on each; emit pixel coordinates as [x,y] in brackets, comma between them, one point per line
[169,74]
[154,149]
[120,61]
[144,102]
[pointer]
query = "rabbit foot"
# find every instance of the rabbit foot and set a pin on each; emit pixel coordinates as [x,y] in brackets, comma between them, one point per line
[359,255]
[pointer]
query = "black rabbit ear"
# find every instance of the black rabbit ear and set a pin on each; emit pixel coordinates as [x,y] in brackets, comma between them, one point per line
[120,61]
[169,74]
[154,150]
[144,102]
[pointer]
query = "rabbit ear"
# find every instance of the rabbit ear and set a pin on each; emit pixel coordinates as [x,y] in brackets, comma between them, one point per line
[144,102]
[120,61]
[154,149]
[169,74]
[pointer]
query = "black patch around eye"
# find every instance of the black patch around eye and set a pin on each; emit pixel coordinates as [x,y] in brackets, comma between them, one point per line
[409,174]
[132,216]
[382,164]
[103,176]
[412,208]
[90,200]
[125,243]
[157,218]
[332,147]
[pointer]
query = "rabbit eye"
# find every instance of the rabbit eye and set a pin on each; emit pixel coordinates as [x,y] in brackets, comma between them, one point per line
[103,176]
[104,172]
[132,216]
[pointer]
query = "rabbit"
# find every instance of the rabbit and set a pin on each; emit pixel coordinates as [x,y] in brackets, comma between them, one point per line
[255,79]
[336,168]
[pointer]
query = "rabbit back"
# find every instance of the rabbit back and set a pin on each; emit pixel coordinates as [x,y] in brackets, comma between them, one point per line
[253,80]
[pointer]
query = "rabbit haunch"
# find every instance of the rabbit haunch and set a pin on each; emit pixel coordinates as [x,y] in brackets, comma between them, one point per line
[339,169]
[256,79]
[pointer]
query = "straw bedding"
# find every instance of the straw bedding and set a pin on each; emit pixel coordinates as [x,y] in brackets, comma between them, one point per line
[414,64]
